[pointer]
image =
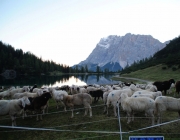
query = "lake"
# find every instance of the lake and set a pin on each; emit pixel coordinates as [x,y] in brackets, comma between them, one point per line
[53,81]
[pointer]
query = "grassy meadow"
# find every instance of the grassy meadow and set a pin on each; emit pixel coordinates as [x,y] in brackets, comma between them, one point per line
[100,127]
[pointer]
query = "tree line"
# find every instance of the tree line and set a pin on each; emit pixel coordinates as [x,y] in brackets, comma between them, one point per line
[26,62]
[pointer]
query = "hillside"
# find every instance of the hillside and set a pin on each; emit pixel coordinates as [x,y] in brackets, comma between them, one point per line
[168,56]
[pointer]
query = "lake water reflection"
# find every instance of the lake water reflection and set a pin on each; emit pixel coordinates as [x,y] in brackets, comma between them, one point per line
[58,80]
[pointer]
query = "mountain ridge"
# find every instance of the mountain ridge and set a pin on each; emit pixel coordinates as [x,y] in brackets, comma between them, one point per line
[124,50]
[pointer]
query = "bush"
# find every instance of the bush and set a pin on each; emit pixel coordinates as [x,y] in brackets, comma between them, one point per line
[164,68]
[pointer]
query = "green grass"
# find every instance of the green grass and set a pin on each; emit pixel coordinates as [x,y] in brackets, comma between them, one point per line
[154,73]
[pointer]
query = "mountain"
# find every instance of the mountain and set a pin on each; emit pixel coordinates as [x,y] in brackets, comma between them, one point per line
[169,56]
[116,52]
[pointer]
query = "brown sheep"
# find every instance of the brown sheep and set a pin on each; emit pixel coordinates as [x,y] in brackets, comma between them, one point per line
[78,99]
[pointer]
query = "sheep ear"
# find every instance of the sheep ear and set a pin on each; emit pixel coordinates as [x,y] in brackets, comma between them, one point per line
[22,102]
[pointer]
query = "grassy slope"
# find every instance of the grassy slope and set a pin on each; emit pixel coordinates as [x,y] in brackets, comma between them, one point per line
[99,121]
[155,73]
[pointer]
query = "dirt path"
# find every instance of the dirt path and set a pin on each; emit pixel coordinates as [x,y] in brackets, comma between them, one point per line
[130,78]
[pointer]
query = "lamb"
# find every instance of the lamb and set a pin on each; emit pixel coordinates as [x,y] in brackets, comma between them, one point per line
[78,99]
[131,105]
[164,103]
[13,107]
[56,94]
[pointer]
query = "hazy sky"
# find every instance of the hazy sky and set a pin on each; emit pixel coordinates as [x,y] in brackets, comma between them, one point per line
[67,31]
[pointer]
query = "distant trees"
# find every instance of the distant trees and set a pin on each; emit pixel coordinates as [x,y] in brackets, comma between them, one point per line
[26,62]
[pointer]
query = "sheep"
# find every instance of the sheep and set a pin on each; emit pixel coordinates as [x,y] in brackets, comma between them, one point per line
[164,86]
[96,94]
[81,90]
[115,94]
[13,107]
[177,86]
[40,103]
[105,96]
[28,94]
[56,94]
[39,91]
[19,90]
[152,95]
[6,93]
[131,105]
[31,88]
[164,103]
[73,89]
[145,93]
[78,99]
[91,89]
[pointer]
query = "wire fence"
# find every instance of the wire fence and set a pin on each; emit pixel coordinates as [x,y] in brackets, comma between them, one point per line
[104,133]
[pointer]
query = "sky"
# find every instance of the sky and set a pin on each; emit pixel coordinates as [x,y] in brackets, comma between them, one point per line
[67,31]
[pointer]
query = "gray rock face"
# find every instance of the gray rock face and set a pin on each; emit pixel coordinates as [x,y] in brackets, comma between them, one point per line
[123,50]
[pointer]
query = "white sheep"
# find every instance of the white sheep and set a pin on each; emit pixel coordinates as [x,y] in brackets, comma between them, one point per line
[19,90]
[28,94]
[39,91]
[115,95]
[131,105]
[164,103]
[13,107]
[145,93]
[90,88]
[6,93]
[81,90]
[73,89]
[78,99]
[56,94]
[105,96]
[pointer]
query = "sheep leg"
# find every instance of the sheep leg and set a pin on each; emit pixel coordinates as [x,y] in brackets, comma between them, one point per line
[97,99]
[94,99]
[132,116]
[13,118]
[105,108]
[72,115]
[90,111]
[179,113]
[86,111]
[115,114]
[64,106]
[129,117]
[57,104]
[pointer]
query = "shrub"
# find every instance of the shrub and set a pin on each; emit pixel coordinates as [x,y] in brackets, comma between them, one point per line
[164,68]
